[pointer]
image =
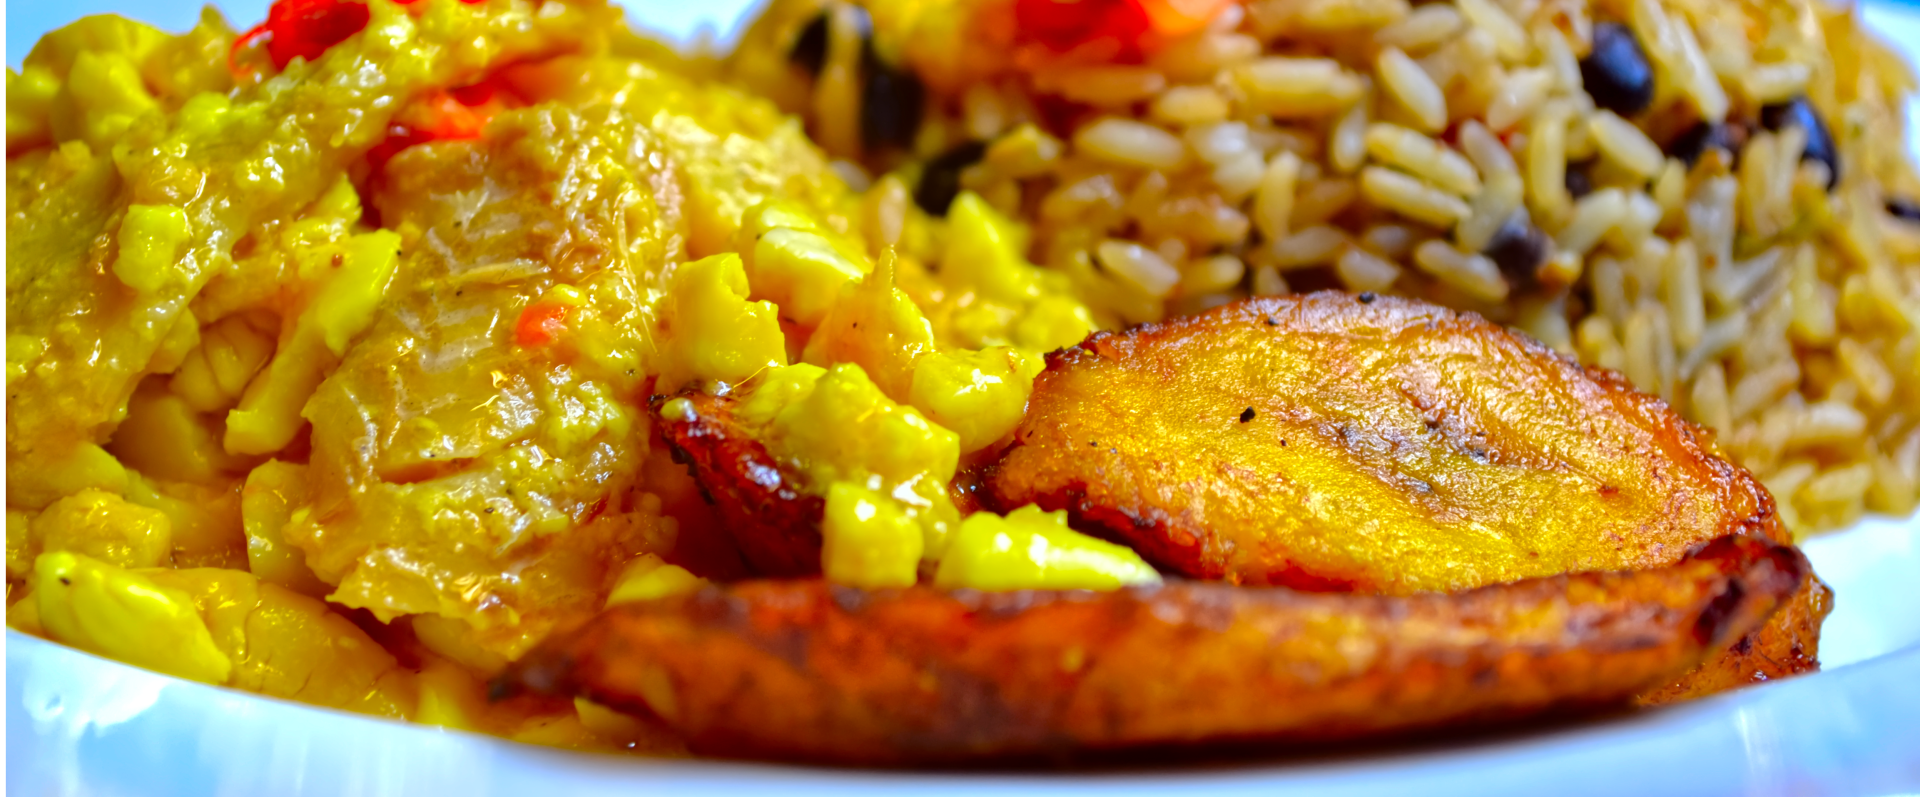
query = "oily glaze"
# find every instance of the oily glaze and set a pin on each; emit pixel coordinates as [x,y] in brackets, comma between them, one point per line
[809,671]
[1332,442]
[1373,444]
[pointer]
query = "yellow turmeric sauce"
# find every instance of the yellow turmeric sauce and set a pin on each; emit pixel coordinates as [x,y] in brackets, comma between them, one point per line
[327,374]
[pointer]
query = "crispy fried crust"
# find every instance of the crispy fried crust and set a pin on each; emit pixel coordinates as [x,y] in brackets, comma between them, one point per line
[809,671]
[1787,644]
[775,526]
[1334,443]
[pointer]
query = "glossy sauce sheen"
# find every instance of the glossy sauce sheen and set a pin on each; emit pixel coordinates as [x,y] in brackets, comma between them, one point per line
[1394,447]
[446,453]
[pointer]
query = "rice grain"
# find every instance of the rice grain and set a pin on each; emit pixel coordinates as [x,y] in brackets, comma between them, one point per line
[1138,266]
[1408,84]
[1410,197]
[1273,203]
[1294,88]
[1626,145]
[1131,143]
[1423,157]
[1474,274]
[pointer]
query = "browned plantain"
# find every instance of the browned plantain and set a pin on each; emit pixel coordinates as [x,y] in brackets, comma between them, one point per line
[1787,644]
[808,671]
[1374,444]
[775,525]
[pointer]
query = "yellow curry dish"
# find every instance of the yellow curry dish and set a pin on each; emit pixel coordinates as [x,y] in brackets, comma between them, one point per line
[956,380]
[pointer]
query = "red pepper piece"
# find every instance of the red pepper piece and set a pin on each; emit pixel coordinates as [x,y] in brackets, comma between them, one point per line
[1063,25]
[305,29]
[1130,25]
[541,323]
[442,115]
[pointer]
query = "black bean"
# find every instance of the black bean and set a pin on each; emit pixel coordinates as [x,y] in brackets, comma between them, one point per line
[1616,72]
[940,181]
[1728,137]
[1905,210]
[1580,179]
[810,47]
[889,105]
[1798,112]
[1518,248]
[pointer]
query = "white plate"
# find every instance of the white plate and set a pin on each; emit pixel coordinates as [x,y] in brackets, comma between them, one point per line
[81,725]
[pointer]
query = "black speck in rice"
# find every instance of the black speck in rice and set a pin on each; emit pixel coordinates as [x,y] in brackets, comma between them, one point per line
[1729,137]
[1798,112]
[940,180]
[1247,415]
[1616,72]
[1580,179]
[890,104]
[1518,248]
[1905,210]
[810,47]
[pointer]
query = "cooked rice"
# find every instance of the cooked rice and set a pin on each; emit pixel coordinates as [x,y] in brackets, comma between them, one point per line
[1373,145]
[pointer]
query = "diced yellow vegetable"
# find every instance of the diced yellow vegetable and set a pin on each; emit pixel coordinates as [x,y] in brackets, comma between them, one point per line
[771,215]
[716,333]
[151,237]
[1053,322]
[203,113]
[869,542]
[163,434]
[845,429]
[101,97]
[1031,549]
[103,609]
[979,395]
[288,645]
[984,252]
[207,527]
[231,351]
[181,339]
[345,305]
[269,413]
[623,730]
[876,326]
[777,389]
[34,483]
[268,416]
[111,33]
[274,492]
[104,526]
[450,697]
[835,426]
[30,95]
[802,272]
[648,577]
[455,640]
[24,614]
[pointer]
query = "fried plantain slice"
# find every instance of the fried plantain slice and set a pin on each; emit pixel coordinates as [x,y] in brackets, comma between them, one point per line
[1375,444]
[1787,644]
[774,524]
[805,670]
[1383,445]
